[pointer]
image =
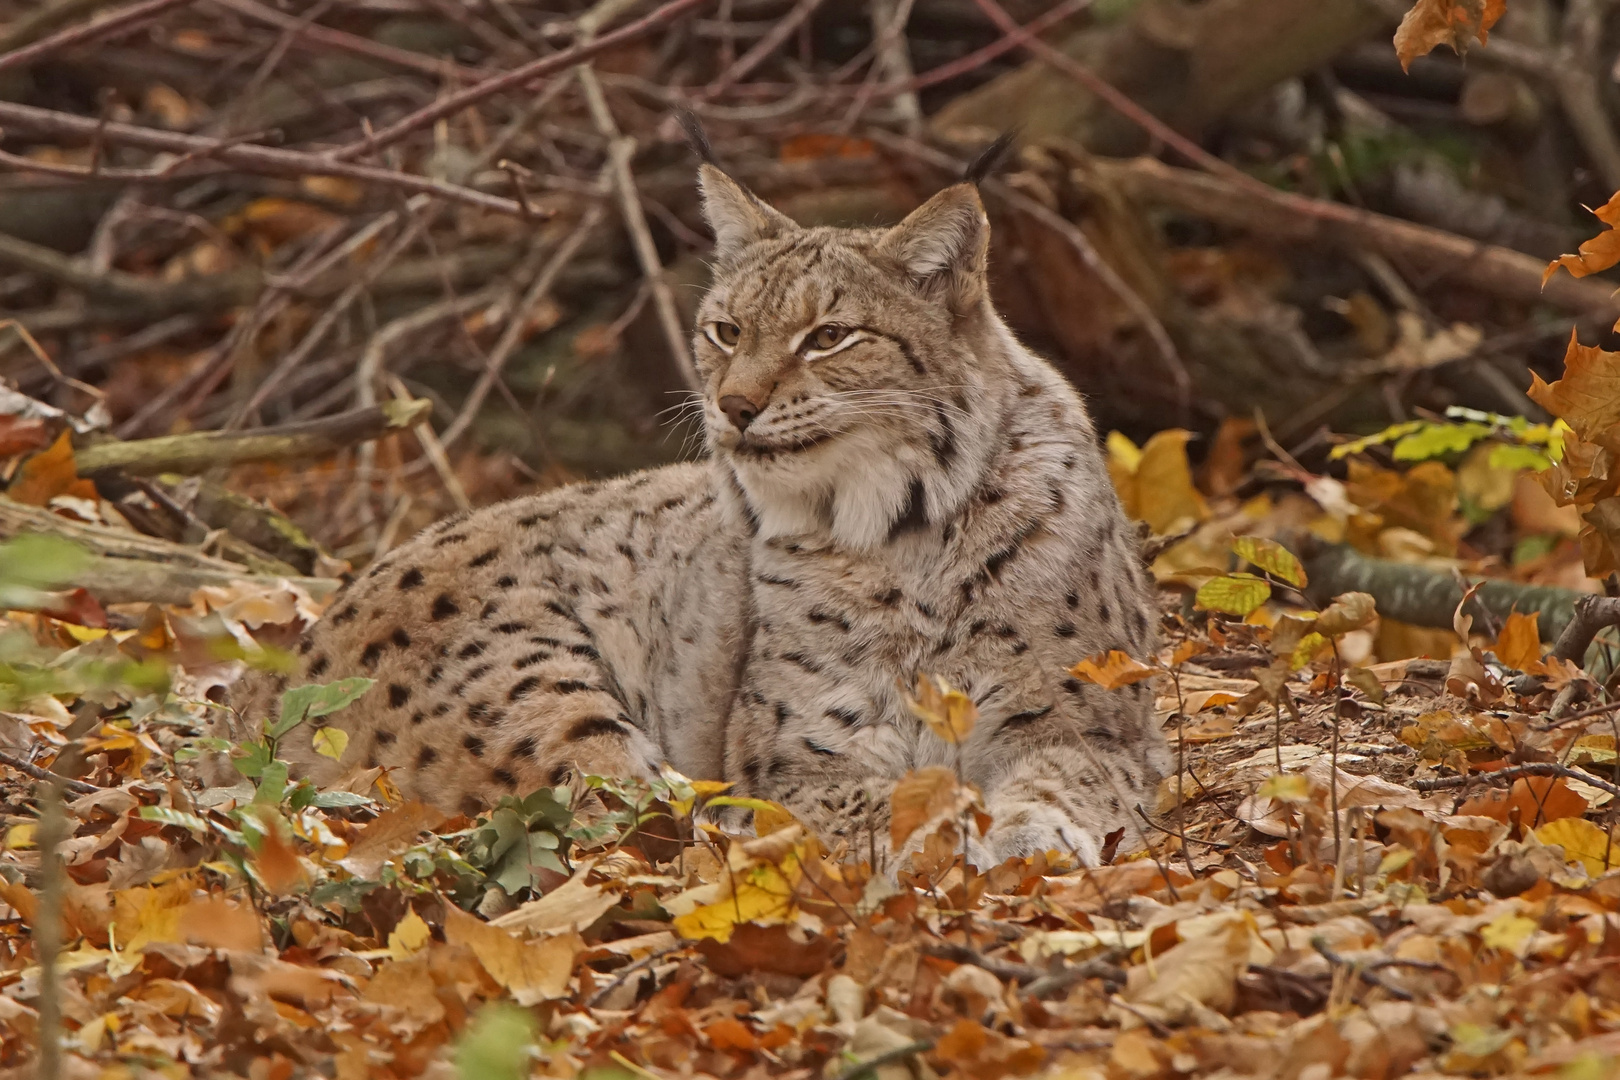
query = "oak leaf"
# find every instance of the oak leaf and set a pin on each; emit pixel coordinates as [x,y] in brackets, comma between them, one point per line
[1155,483]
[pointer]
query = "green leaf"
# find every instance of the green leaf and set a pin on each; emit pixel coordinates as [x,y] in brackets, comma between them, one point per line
[255,756]
[1233,594]
[1514,458]
[1270,556]
[334,800]
[1356,446]
[316,700]
[330,742]
[169,816]
[272,784]
[34,561]
[498,1044]
[1437,440]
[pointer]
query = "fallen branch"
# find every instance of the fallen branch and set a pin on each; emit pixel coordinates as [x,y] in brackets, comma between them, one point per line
[1278,215]
[138,581]
[1425,597]
[28,768]
[1593,614]
[1514,772]
[200,451]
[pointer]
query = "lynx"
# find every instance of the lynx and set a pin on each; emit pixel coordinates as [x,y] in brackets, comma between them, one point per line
[895,487]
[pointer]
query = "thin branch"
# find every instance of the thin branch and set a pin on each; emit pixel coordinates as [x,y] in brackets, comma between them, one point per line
[28,768]
[515,330]
[535,69]
[22,55]
[1515,772]
[246,157]
[312,34]
[762,49]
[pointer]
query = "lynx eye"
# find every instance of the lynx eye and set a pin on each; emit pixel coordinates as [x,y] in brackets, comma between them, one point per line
[727,334]
[825,337]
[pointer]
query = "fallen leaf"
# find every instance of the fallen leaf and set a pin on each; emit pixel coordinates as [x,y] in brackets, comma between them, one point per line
[768,948]
[570,907]
[1519,644]
[1348,611]
[1583,842]
[408,935]
[1112,670]
[533,971]
[50,473]
[948,712]
[1532,800]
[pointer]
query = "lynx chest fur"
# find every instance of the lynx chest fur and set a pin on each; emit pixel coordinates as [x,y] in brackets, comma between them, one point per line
[895,487]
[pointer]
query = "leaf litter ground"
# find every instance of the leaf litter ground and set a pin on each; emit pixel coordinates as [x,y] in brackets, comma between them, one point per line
[272,930]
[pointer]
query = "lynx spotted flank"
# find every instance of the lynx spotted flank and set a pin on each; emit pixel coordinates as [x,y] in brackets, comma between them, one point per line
[895,486]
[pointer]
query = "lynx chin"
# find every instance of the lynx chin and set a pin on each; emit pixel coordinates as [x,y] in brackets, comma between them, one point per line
[895,486]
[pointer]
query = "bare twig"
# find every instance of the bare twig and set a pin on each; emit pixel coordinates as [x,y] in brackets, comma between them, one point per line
[761,50]
[28,768]
[515,330]
[1515,772]
[548,65]
[246,157]
[21,54]
[47,930]
[311,34]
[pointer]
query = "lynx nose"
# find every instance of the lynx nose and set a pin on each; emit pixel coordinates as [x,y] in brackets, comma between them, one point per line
[739,409]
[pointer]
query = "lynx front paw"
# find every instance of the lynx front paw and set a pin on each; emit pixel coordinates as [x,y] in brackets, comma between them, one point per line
[1022,830]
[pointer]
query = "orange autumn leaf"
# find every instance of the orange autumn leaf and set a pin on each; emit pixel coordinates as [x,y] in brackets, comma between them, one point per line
[50,473]
[815,147]
[1534,800]
[1587,398]
[1112,670]
[1597,254]
[1519,644]
[1445,22]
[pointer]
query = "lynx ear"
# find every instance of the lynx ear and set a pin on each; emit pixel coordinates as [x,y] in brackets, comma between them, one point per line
[943,246]
[735,215]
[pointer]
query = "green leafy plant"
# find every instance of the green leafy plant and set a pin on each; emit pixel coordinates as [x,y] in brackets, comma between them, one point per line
[1520,444]
[1241,593]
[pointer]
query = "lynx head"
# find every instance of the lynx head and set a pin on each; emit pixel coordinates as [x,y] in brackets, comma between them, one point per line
[849,374]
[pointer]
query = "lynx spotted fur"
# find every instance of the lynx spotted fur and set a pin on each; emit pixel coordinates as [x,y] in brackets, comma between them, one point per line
[895,487]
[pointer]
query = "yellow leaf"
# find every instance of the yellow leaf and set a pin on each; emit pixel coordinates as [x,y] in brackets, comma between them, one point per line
[1233,594]
[1165,496]
[330,742]
[704,788]
[21,836]
[948,712]
[1519,644]
[1270,556]
[1286,788]
[146,914]
[533,971]
[761,894]
[1349,611]
[408,935]
[1306,650]
[1508,932]
[1112,670]
[1582,841]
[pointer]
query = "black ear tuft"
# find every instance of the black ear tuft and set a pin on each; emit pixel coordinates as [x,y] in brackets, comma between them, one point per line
[696,137]
[990,159]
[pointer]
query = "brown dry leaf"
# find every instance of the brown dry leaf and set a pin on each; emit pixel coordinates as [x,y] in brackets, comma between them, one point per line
[949,713]
[973,1050]
[221,924]
[533,971]
[1596,254]
[277,862]
[780,948]
[19,435]
[919,797]
[1532,801]
[1519,644]
[50,473]
[394,830]
[1200,972]
[571,906]
[1349,611]
[1445,22]
[1112,670]
[1587,397]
